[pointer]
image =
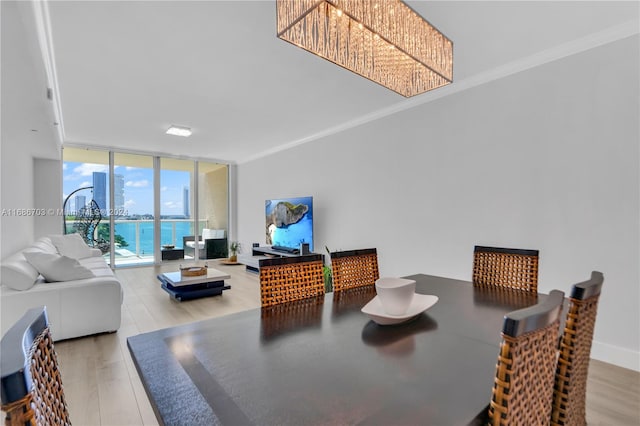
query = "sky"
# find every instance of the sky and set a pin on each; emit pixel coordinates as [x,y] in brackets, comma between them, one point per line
[138,187]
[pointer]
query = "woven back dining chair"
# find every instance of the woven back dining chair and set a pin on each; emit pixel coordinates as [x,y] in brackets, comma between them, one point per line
[32,391]
[523,385]
[507,268]
[570,388]
[354,268]
[286,279]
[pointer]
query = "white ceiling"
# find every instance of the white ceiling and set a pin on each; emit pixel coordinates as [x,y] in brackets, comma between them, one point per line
[125,71]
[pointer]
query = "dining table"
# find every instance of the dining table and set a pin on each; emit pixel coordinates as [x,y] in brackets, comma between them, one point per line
[321,361]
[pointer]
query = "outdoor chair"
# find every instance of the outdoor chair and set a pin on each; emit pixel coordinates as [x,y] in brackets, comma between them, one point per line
[569,392]
[31,382]
[354,268]
[523,387]
[507,268]
[212,244]
[286,279]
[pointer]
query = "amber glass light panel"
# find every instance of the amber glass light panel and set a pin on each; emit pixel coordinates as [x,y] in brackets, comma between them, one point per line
[385,41]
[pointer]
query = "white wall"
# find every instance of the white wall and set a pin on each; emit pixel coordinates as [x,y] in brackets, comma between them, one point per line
[27,128]
[17,193]
[48,197]
[545,159]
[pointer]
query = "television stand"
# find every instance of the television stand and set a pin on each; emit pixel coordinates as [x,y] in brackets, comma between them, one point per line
[252,262]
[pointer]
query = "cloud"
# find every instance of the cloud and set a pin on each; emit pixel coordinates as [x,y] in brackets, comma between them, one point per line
[164,188]
[64,166]
[129,203]
[137,183]
[173,204]
[131,168]
[84,184]
[87,169]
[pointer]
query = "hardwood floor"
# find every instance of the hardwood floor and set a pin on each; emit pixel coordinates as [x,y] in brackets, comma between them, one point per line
[103,387]
[100,380]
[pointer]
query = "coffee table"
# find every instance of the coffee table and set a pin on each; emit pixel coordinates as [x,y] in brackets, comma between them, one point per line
[186,288]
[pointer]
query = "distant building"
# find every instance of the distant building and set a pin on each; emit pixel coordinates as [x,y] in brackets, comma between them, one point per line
[100,190]
[118,193]
[185,201]
[81,201]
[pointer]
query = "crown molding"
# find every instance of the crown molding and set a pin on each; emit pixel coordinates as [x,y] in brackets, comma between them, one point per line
[560,51]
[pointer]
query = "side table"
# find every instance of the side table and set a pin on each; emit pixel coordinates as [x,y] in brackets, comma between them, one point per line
[172,254]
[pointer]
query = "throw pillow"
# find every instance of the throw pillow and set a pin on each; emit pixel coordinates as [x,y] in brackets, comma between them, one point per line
[17,273]
[54,267]
[71,245]
[208,234]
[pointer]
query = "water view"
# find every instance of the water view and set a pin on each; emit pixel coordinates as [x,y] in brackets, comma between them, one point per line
[136,236]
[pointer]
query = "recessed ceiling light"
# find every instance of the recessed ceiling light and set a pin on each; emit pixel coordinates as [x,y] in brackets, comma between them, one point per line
[179,131]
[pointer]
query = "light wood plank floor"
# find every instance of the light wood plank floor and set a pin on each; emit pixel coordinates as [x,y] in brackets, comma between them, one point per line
[103,387]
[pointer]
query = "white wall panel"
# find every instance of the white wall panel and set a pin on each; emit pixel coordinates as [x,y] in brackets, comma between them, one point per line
[545,159]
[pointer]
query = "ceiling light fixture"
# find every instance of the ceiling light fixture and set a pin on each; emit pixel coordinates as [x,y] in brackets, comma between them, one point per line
[383,40]
[179,131]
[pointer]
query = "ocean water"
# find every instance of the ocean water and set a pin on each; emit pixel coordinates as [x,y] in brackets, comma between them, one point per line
[128,231]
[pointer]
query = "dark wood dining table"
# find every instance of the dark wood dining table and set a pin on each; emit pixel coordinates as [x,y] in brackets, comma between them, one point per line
[322,361]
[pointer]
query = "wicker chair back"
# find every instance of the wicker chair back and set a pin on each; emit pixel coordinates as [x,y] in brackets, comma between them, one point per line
[514,269]
[287,279]
[354,268]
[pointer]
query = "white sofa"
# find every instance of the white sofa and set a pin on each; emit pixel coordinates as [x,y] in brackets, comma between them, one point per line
[75,308]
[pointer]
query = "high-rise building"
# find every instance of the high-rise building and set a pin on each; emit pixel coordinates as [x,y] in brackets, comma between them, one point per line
[118,193]
[81,201]
[185,201]
[100,190]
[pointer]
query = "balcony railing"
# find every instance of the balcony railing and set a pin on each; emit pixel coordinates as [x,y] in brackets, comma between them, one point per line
[137,236]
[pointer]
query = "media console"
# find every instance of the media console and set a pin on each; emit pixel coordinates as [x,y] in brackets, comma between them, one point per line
[252,262]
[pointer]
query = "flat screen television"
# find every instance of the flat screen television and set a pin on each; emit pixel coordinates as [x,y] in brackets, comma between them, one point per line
[289,222]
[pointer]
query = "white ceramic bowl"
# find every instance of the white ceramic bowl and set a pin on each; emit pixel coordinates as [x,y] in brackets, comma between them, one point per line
[395,294]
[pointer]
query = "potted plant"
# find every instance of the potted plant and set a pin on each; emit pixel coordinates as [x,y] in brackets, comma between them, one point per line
[234,249]
[327,274]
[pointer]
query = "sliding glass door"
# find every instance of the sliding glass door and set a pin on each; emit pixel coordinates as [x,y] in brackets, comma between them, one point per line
[160,208]
[176,209]
[134,209]
[213,208]
[85,196]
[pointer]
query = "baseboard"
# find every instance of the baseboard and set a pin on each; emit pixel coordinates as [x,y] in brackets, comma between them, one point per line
[616,355]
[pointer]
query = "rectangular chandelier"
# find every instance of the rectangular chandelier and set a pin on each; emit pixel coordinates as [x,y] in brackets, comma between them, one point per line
[383,40]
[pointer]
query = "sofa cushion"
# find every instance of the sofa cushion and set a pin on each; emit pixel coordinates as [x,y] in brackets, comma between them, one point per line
[45,245]
[17,273]
[54,267]
[97,265]
[71,245]
[192,244]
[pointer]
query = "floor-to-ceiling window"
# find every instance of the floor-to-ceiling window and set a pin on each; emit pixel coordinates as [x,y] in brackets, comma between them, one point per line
[85,194]
[154,203]
[134,208]
[213,208]
[213,196]
[176,207]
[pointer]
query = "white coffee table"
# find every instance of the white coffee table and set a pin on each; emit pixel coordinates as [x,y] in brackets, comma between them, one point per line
[182,287]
